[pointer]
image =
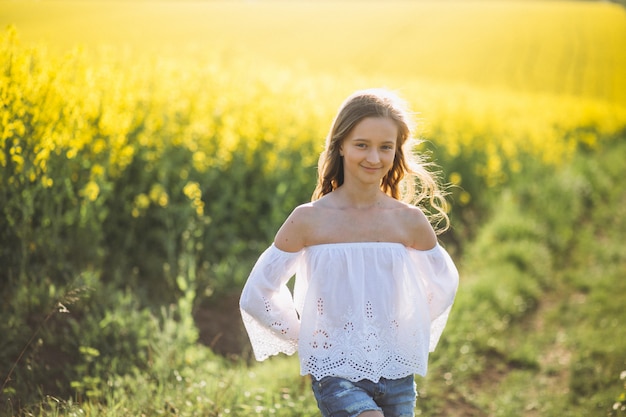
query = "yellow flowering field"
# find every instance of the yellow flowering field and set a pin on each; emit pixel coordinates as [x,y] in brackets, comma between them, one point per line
[186,89]
[563,48]
[504,77]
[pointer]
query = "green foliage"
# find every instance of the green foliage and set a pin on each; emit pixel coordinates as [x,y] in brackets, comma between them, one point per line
[127,196]
[90,336]
[537,322]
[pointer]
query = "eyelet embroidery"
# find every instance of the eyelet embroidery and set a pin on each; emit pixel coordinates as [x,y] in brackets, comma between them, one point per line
[366,339]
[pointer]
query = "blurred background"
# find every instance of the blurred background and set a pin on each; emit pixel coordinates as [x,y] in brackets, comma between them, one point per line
[150,150]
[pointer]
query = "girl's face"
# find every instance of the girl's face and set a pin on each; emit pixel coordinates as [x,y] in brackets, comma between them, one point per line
[369,150]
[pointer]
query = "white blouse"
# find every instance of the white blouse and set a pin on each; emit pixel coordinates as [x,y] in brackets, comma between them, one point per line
[361,310]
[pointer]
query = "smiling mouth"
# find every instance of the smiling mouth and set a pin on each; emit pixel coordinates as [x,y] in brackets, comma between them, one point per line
[370,168]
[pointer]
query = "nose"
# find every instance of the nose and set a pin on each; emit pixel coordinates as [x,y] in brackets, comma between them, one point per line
[373,157]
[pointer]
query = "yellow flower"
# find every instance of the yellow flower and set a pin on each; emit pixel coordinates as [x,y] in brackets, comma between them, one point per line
[158,195]
[97,171]
[18,160]
[199,206]
[192,190]
[99,146]
[455,178]
[91,191]
[142,201]
[199,161]
[465,198]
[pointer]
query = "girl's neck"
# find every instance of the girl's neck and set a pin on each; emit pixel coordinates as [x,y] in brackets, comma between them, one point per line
[360,198]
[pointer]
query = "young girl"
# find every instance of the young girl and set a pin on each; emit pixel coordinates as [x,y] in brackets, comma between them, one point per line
[373,287]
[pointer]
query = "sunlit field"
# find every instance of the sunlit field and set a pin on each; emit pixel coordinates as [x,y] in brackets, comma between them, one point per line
[521,73]
[561,48]
[150,149]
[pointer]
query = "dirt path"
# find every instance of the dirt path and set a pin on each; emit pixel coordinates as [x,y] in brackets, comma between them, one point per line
[221,328]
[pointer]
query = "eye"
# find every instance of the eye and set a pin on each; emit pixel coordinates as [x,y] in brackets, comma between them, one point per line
[388,147]
[361,145]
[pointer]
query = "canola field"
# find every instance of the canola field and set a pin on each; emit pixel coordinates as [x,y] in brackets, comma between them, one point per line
[563,48]
[538,77]
[87,87]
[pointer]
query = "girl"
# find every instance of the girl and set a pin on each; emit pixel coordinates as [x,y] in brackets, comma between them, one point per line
[373,287]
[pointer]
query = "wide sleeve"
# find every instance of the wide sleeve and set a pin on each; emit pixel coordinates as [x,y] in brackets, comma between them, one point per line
[267,306]
[440,278]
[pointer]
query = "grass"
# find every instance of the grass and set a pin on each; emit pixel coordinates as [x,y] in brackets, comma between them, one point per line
[551,341]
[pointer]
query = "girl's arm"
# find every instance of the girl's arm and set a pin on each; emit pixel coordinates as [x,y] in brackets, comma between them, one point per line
[440,278]
[267,306]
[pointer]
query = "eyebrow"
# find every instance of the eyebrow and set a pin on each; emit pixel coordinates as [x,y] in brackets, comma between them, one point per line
[393,142]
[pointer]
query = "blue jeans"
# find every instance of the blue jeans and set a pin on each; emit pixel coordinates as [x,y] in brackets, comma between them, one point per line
[339,397]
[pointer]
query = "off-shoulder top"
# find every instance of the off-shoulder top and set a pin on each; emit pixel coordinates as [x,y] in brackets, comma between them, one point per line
[361,310]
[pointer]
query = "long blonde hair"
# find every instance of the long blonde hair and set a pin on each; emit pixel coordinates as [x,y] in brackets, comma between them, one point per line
[409,178]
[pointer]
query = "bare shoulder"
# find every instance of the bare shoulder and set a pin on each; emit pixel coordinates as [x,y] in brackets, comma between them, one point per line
[422,236]
[293,234]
